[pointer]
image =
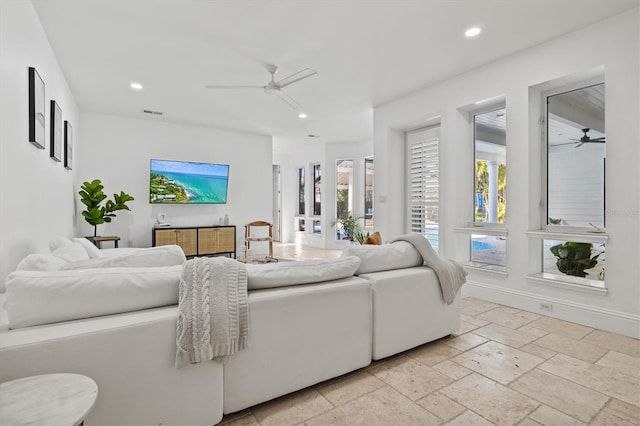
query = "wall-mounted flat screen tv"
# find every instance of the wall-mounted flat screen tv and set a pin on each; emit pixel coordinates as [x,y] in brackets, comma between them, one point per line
[183,182]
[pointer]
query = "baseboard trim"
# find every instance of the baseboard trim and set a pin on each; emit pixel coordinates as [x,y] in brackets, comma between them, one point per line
[588,315]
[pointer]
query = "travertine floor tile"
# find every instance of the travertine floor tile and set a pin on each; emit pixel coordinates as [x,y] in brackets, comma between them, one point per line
[498,362]
[384,406]
[532,331]
[231,418]
[563,328]
[441,405]
[246,420]
[473,320]
[433,353]
[505,335]
[508,317]
[539,351]
[615,342]
[465,327]
[469,418]
[571,347]
[620,362]
[617,412]
[451,369]
[563,395]
[604,380]
[546,415]
[411,378]
[491,400]
[472,307]
[529,422]
[351,387]
[292,409]
[465,341]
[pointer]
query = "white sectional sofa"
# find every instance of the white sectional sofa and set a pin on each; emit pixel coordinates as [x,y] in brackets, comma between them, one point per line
[299,335]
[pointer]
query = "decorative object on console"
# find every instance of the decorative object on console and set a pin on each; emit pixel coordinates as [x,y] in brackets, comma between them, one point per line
[161,220]
[55,138]
[36,109]
[95,214]
[68,145]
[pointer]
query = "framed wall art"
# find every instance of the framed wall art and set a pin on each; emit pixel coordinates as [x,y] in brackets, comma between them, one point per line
[68,145]
[36,109]
[55,139]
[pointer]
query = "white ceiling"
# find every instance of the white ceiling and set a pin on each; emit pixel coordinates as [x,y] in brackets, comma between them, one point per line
[366,53]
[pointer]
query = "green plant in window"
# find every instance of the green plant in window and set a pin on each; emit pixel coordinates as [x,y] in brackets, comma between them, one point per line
[574,258]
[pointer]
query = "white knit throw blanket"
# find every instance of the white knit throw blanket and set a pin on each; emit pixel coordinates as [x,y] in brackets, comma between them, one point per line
[213,311]
[450,273]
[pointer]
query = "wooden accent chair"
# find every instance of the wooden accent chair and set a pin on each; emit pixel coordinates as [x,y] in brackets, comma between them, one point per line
[257,235]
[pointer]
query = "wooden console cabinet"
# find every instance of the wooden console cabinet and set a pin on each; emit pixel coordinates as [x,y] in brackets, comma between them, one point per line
[198,241]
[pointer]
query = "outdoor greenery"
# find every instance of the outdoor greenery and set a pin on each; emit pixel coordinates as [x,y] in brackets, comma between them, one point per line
[482,187]
[92,196]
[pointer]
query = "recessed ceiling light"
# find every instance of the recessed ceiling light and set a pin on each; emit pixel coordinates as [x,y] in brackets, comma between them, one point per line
[302,115]
[472,32]
[136,86]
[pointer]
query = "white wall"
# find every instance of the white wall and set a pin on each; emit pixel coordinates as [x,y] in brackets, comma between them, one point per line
[36,193]
[613,44]
[117,151]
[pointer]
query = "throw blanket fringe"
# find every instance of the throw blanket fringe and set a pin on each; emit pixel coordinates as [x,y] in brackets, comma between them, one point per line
[450,273]
[213,310]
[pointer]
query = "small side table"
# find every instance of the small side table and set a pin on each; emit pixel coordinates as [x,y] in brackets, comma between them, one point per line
[60,399]
[98,240]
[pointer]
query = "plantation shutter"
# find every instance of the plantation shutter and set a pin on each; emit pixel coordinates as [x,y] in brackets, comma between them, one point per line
[423,168]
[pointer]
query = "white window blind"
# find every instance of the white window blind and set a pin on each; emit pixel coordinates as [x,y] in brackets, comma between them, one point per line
[423,170]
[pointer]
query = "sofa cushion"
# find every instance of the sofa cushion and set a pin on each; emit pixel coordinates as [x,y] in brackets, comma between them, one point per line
[303,272]
[40,262]
[39,297]
[71,252]
[89,247]
[398,255]
[169,255]
[57,242]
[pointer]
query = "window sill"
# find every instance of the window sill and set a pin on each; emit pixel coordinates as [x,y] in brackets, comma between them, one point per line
[581,237]
[584,285]
[481,229]
[484,267]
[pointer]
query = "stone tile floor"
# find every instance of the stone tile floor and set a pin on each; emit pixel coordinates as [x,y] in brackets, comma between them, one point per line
[504,366]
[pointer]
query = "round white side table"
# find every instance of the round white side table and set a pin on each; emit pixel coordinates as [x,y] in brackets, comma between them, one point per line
[51,399]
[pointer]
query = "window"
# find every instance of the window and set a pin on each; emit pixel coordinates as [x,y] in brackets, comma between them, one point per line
[576,154]
[488,249]
[490,148]
[368,192]
[423,167]
[317,204]
[301,204]
[344,194]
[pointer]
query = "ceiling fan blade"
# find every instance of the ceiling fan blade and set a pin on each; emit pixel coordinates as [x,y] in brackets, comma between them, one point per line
[300,75]
[222,86]
[598,139]
[288,99]
[579,145]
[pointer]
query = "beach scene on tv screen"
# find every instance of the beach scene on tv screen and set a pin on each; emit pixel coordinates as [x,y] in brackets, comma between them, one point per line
[180,182]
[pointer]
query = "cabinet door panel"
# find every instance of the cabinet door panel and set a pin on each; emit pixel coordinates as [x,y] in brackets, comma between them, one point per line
[226,240]
[207,240]
[188,240]
[165,237]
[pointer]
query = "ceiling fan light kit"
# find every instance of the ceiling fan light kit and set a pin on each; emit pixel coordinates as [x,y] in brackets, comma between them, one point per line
[275,87]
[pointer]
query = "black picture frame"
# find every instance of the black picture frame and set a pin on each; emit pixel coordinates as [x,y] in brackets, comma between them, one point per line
[37,129]
[55,139]
[68,145]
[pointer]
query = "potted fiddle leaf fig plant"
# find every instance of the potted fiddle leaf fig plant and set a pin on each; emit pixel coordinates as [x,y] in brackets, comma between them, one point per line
[92,196]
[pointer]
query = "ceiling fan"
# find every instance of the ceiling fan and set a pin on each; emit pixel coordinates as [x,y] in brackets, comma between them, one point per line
[585,139]
[274,87]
